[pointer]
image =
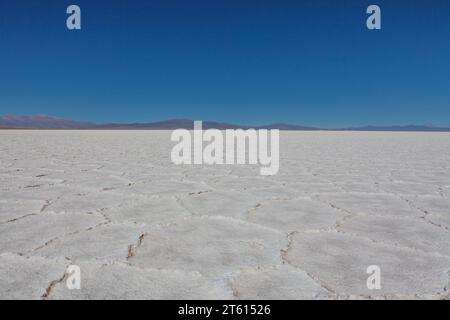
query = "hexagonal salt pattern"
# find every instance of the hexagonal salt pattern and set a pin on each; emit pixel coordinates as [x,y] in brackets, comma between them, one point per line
[140,227]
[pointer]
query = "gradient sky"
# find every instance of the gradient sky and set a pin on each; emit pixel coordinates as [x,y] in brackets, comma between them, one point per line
[248,62]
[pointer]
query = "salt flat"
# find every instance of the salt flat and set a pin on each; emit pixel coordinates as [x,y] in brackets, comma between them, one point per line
[140,227]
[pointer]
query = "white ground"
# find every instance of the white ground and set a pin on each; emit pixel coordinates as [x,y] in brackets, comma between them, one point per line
[112,203]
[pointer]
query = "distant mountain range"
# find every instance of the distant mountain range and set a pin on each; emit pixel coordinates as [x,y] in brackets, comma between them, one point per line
[41,122]
[46,122]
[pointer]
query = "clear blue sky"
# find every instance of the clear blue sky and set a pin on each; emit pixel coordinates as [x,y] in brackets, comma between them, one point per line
[249,62]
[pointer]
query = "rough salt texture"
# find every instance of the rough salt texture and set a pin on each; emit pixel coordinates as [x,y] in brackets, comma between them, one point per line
[140,227]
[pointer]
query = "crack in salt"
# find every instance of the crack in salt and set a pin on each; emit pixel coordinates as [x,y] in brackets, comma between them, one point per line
[132,248]
[19,218]
[52,285]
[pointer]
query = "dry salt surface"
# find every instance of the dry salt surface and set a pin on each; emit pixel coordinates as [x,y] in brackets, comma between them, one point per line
[140,227]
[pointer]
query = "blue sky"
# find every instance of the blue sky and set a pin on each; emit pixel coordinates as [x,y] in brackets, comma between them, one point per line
[249,62]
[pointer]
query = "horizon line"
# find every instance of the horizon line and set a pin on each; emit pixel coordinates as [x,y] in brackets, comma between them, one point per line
[11,121]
